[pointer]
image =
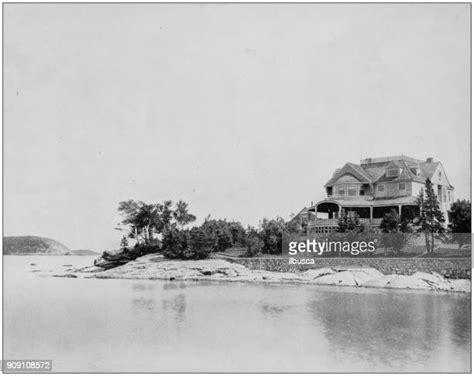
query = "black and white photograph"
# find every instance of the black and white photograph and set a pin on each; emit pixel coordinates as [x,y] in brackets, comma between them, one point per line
[236,187]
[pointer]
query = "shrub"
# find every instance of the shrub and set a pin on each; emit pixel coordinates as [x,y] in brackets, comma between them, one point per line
[271,233]
[349,223]
[253,243]
[191,244]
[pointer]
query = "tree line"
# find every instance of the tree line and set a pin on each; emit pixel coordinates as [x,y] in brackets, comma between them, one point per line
[167,228]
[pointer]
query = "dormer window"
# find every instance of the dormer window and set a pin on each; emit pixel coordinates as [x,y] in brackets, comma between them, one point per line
[416,171]
[393,172]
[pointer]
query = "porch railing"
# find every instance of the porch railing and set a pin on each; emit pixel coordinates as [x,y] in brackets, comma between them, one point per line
[317,222]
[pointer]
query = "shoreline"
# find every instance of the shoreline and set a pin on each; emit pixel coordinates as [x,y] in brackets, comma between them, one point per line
[156,267]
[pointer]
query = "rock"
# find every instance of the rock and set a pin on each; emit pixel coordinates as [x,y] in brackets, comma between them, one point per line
[88,269]
[316,273]
[154,267]
[398,281]
[65,275]
[355,277]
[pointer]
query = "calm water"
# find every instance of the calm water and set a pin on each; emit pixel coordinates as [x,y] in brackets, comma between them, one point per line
[120,325]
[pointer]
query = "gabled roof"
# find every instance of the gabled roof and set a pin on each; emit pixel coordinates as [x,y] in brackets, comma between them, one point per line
[351,169]
[405,174]
[429,168]
[374,170]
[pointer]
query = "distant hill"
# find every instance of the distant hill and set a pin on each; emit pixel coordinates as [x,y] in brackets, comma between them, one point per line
[36,245]
[85,252]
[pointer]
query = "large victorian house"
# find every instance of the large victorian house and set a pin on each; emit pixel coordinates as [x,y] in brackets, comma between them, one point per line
[375,187]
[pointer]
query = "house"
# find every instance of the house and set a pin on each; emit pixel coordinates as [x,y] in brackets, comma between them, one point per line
[375,187]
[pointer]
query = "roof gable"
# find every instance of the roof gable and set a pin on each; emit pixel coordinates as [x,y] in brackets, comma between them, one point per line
[432,170]
[350,169]
[405,173]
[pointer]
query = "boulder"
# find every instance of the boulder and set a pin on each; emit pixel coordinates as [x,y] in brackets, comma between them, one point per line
[355,277]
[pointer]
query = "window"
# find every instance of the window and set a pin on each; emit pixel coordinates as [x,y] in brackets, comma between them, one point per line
[401,186]
[381,188]
[341,191]
[351,191]
[329,191]
[361,192]
[439,175]
[393,172]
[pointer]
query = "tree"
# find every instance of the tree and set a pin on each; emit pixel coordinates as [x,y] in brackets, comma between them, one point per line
[218,233]
[144,221]
[181,215]
[394,231]
[186,244]
[124,243]
[431,218]
[271,233]
[253,242]
[238,234]
[460,221]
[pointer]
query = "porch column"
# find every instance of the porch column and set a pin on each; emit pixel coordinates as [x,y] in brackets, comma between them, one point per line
[371,214]
[400,210]
[339,212]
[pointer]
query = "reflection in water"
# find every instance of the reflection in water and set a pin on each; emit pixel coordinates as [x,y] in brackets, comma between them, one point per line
[140,286]
[88,325]
[273,309]
[405,325]
[148,304]
[177,305]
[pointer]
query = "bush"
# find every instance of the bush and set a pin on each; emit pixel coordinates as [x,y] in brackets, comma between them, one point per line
[349,223]
[191,244]
[253,243]
[223,234]
[141,250]
[271,233]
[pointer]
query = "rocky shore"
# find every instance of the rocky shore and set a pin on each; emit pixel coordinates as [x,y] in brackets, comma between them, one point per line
[154,267]
[450,268]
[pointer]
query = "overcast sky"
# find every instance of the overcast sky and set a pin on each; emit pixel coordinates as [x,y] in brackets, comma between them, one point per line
[242,110]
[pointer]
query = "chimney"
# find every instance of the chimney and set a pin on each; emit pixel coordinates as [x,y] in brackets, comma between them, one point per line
[312,203]
[429,160]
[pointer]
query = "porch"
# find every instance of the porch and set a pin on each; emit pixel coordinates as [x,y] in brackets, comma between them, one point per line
[324,216]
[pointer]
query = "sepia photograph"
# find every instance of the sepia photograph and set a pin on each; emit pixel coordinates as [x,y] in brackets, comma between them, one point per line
[236,187]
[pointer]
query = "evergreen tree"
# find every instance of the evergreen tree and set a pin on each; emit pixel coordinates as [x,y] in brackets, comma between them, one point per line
[431,218]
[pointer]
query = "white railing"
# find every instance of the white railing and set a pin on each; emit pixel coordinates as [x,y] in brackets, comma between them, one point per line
[323,222]
[333,222]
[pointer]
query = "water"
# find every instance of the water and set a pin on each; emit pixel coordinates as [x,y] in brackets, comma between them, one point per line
[156,326]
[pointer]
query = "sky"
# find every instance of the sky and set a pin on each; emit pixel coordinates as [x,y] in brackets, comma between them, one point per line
[242,110]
